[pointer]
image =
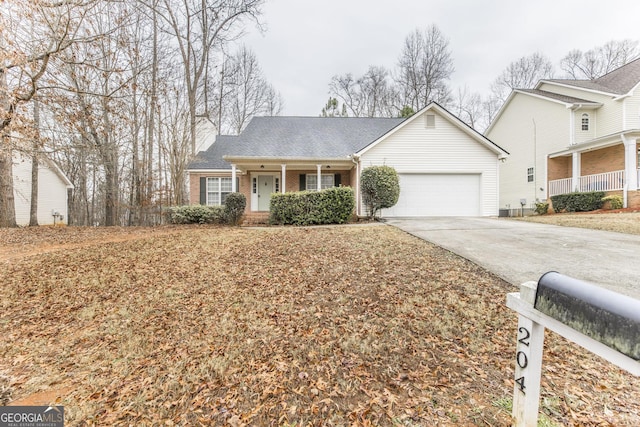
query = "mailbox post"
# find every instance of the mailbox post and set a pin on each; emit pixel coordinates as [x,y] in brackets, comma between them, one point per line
[604,322]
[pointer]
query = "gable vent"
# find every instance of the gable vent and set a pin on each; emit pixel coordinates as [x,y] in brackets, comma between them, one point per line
[430,121]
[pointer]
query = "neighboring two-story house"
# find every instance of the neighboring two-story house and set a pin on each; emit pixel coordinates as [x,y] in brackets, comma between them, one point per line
[571,135]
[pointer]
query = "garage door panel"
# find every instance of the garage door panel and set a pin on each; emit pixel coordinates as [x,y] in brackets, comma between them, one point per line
[437,195]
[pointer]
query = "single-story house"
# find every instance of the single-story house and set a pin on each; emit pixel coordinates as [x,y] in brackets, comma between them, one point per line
[445,167]
[53,191]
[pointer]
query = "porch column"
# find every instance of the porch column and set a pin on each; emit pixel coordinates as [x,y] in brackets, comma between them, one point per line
[319,184]
[630,166]
[233,179]
[283,179]
[575,172]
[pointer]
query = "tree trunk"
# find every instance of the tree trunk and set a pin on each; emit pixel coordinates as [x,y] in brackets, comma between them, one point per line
[33,209]
[7,201]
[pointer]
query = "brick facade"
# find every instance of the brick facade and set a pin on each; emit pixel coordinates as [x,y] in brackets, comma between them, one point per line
[559,168]
[604,160]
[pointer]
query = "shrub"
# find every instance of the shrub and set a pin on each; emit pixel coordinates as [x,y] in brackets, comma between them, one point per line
[578,202]
[380,188]
[330,206]
[615,201]
[195,214]
[542,208]
[234,206]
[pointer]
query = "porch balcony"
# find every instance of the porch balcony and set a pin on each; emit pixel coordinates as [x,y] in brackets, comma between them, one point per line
[607,181]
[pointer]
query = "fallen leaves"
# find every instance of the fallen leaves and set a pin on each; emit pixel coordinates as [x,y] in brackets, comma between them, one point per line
[279,326]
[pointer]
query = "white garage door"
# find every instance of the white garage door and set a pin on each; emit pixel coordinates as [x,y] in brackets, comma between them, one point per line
[437,195]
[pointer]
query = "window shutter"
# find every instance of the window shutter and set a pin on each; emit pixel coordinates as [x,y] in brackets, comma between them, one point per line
[303,182]
[203,190]
[336,180]
[237,184]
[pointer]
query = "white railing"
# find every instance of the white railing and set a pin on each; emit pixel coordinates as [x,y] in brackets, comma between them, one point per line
[608,181]
[560,186]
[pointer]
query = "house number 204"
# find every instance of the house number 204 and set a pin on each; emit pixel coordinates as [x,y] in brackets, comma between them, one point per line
[521,357]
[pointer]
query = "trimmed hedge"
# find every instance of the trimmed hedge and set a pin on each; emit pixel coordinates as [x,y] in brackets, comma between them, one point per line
[195,214]
[578,202]
[331,206]
[380,188]
[234,206]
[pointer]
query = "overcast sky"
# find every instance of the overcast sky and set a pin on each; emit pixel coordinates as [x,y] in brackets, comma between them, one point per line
[306,42]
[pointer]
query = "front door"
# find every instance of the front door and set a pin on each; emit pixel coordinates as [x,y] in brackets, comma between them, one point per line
[265,188]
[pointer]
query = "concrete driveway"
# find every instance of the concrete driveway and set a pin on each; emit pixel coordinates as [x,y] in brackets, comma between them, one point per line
[519,251]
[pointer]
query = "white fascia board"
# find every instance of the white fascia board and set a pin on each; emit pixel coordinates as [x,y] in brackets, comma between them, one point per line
[597,143]
[280,160]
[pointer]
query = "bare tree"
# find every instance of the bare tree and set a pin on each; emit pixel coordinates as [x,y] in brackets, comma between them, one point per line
[425,66]
[198,27]
[521,74]
[250,93]
[371,95]
[599,60]
[470,108]
[31,33]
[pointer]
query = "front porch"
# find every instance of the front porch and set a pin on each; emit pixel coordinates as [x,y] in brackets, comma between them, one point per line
[610,166]
[259,178]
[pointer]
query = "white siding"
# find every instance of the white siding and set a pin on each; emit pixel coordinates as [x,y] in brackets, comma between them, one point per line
[529,128]
[444,149]
[609,116]
[632,106]
[52,191]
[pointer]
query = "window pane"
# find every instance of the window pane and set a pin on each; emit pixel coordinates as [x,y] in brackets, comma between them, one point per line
[225,184]
[213,199]
[327,181]
[213,184]
[312,182]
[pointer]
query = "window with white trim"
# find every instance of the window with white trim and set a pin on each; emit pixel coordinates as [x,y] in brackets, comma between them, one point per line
[529,174]
[585,121]
[326,181]
[218,189]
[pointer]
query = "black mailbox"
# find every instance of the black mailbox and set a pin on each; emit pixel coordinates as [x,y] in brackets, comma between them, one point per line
[604,315]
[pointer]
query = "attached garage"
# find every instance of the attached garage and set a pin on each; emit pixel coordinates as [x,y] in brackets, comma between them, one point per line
[445,167]
[437,195]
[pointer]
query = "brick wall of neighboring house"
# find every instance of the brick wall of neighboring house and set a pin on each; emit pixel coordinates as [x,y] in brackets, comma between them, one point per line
[559,168]
[604,160]
[633,199]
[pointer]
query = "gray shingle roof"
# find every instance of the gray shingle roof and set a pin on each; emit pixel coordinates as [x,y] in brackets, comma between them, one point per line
[310,136]
[212,157]
[296,137]
[619,81]
[557,96]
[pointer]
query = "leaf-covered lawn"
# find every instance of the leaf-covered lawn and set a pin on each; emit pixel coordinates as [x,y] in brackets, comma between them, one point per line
[349,325]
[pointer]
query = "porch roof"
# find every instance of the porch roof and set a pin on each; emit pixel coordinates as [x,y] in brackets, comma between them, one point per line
[266,163]
[597,143]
